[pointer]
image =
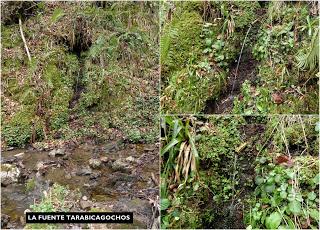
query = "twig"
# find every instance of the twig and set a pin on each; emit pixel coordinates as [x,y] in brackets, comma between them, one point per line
[24,40]
[304,133]
[244,41]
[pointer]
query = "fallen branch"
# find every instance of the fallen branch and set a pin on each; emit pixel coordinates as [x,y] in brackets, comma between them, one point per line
[24,40]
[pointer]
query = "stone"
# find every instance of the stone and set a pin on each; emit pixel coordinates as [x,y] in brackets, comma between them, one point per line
[130,159]
[94,163]
[84,171]
[104,159]
[9,174]
[4,220]
[120,165]
[68,176]
[84,198]
[57,152]
[19,155]
[85,204]
[95,175]
[40,165]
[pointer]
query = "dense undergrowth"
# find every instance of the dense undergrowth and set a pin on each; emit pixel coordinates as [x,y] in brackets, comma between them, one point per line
[201,43]
[249,172]
[92,73]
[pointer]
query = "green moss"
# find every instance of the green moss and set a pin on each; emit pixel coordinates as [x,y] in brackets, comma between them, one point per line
[60,107]
[187,92]
[10,36]
[30,185]
[181,40]
[17,132]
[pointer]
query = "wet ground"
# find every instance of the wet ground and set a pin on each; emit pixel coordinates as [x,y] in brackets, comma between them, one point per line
[113,176]
[245,71]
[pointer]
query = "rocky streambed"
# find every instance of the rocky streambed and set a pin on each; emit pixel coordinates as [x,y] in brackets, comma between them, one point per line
[115,177]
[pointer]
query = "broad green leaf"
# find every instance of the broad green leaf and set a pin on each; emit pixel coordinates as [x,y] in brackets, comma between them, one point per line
[312,195]
[283,194]
[208,42]
[171,144]
[316,179]
[295,207]
[269,188]
[164,204]
[273,221]
[57,14]
[259,180]
[314,213]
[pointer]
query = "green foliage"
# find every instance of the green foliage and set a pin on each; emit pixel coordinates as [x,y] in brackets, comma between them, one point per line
[254,100]
[30,185]
[57,14]
[217,147]
[285,196]
[60,108]
[190,88]
[181,40]
[294,134]
[53,201]
[116,72]
[17,131]
[310,59]
[273,43]
[179,169]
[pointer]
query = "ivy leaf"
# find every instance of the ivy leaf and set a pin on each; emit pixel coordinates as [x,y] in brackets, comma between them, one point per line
[314,213]
[269,188]
[283,194]
[295,207]
[208,42]
[273,221]
[164,204]
[259,180]
[312,195]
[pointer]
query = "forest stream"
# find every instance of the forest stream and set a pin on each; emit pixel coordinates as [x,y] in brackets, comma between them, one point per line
[113,177]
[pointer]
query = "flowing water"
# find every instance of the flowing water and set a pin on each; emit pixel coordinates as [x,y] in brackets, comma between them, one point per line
[102,185]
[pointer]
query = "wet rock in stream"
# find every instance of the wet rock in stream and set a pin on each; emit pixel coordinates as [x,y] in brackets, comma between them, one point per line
[95,163]
[57,152]
[4,220]
[19,155]
[121,165]
[85,204]
[85,171]
[109,181]
[9,174]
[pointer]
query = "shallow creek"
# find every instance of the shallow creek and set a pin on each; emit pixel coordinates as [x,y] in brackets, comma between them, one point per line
[131,180]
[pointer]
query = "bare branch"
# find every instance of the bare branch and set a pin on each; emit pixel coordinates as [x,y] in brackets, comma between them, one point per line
[24,40]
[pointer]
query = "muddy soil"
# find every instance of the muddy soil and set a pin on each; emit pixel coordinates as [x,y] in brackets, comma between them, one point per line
[238,74]
[120,177]
[246,71]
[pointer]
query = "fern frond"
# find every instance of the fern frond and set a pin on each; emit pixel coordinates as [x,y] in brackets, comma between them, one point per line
[165,45]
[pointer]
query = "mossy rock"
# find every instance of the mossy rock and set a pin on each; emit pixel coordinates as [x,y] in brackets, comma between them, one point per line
[181,40]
